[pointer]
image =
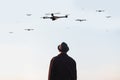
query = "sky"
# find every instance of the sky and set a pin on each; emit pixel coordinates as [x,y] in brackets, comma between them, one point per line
[94,43]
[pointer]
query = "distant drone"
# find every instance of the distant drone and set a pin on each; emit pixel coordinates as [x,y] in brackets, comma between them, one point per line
[108,16]
[11,32]
[53,17]
[100,10]
[29,29]
[28,14]
[80,20]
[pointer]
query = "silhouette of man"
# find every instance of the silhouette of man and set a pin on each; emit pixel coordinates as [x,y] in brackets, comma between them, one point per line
[62,66]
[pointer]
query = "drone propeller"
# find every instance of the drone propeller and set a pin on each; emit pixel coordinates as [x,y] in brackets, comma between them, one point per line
[43,17]
[56,13]
[51,13]
[67,14]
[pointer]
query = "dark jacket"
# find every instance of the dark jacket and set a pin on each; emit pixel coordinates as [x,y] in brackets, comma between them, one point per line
[62,67]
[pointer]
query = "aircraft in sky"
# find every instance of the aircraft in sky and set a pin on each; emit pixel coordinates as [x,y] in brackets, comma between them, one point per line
[11,32]
[53,17]
[29,29]
[100,10]
[28,14]
[108,16]
[80,20]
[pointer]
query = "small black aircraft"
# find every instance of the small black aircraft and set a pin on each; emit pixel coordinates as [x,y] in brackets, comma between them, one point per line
[80,20]
[100,10]
[53,17]
[29,29]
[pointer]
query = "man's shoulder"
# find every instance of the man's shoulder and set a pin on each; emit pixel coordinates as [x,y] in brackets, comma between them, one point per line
[57,58]
[72,59]
[54,58]
[62,57]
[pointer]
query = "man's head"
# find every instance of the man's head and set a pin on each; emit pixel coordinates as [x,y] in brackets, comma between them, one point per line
[63,47]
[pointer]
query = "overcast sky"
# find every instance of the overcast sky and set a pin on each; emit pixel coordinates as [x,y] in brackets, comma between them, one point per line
[94,43]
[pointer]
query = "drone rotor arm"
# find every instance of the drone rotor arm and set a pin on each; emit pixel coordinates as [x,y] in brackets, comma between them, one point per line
[45,17]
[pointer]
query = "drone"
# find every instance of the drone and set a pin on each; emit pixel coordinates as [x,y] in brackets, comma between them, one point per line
[108,16]
[29,29]
[100,10]
[28,14]
[80,20]
[53,17]
[11,32]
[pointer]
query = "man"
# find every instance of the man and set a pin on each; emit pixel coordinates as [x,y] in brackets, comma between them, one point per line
[62,66]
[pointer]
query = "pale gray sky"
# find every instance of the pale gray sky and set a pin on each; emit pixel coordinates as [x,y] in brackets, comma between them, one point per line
[94,44]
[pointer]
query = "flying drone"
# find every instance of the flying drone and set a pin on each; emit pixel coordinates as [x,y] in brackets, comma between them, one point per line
[53,17]
[11,32]
[29,29]
[108,16]
[80,20]
[100,10]
[28,14]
